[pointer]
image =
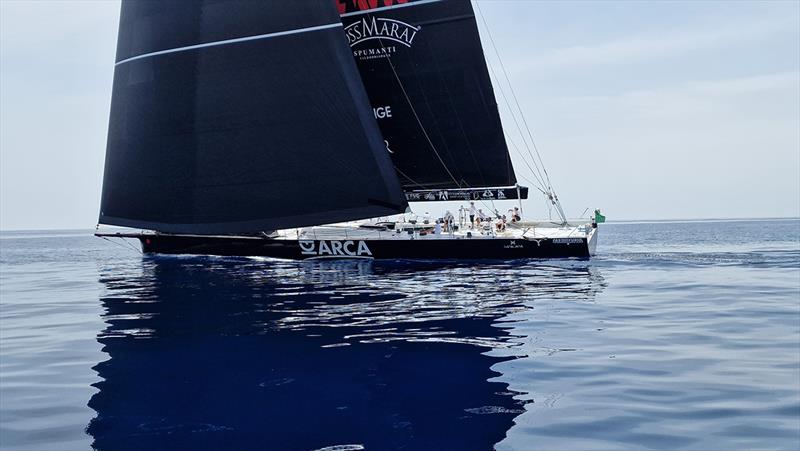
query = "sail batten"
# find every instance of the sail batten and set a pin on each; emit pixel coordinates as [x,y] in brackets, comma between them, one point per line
[230,41]
[214,133]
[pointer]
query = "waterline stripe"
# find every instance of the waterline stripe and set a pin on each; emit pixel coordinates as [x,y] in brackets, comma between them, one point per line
[383,8]
[231,41]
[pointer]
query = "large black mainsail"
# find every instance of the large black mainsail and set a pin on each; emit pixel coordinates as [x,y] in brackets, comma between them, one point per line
[235,116]
[425,73]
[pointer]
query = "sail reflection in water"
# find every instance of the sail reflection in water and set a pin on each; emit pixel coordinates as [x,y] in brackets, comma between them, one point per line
[211,353]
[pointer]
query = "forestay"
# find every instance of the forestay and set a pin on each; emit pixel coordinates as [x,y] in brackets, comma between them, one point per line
[240,116]
[425,73]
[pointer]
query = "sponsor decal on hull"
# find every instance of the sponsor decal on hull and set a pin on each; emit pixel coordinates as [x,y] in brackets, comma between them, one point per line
[567,240]
[332,248]
[513,245]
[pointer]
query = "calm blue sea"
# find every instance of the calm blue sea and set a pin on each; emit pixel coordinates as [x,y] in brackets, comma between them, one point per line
[680,335]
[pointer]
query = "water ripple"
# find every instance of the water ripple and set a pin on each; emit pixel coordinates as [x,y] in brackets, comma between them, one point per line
[682,335]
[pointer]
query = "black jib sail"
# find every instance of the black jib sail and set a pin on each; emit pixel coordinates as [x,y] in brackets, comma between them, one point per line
[425,73]
[240,116]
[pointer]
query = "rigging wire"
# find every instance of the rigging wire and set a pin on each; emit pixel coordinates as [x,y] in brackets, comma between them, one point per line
[511,88]
[508,105]
[420,185]
[126,246]
[427,136]
[540,185]
[551,192]
[424,131]
[416,116]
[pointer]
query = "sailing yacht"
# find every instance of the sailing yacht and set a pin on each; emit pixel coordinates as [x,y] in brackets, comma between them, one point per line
[302,130]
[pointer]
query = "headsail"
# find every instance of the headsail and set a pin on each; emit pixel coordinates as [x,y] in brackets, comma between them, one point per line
[425,73]
[240,116]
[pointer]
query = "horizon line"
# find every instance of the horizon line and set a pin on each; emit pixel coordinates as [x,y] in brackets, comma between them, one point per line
[610,221]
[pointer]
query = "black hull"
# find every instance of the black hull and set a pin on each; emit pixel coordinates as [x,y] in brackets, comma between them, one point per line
[422,249]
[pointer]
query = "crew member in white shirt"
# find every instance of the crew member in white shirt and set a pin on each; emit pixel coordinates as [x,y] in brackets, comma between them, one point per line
[472,214]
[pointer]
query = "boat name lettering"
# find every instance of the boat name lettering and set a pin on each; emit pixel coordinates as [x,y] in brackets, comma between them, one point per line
[329,247]
[567,240]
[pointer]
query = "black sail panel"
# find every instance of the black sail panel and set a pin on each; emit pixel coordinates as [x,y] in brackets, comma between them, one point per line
[425,73]
[237,116]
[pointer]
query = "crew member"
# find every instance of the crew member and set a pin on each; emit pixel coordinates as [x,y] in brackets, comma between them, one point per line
[517,217]
[481,216]
[448,221]
[472,214]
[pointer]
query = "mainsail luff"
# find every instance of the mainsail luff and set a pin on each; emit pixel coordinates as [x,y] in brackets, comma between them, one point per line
[238,116]
[423,66]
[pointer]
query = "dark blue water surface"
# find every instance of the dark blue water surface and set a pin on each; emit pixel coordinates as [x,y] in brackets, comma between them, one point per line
[678,336]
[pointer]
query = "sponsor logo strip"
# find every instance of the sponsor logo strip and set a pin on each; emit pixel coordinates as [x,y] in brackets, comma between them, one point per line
[462,194]
[567,240]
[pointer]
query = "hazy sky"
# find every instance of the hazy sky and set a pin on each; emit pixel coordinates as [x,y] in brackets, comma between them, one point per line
[645,109]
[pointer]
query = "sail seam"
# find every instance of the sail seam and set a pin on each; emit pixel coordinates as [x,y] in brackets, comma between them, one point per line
[231,41]
[384,8]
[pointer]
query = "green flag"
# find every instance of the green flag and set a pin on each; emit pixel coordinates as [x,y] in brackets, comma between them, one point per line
[598,217]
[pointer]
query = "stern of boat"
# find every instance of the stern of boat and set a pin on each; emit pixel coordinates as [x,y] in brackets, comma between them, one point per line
[591,241]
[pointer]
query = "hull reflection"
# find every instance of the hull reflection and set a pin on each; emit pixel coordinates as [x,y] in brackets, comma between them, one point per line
[208,353]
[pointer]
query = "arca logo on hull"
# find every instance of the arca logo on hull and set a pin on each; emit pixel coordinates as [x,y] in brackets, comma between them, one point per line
[335,248]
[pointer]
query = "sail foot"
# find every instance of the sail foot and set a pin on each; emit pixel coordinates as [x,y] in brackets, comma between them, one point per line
[469,194]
